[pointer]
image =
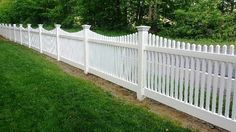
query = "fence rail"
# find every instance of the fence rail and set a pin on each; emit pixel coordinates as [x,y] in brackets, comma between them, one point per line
[198,80]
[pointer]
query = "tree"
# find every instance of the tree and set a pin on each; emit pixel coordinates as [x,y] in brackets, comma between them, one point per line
[204,20]
[175,18]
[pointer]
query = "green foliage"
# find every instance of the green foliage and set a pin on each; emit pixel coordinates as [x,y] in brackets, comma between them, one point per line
[36,95]
[103,13]
[214,19]
[5,6]
[204,20]
[41,11]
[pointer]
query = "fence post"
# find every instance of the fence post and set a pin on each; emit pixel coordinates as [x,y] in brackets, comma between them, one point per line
[21,26]
[1,29]
[9,31]
[29,38]
[58,26]
[4,30]
[142,42]
[86,48]
[40,37]
[14,32]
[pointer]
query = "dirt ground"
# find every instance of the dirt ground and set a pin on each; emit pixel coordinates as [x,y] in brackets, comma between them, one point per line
[162,110]
[2,38]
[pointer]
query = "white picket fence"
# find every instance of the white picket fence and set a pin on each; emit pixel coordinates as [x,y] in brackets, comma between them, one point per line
[198,80]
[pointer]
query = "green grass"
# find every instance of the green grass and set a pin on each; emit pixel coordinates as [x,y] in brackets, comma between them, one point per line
[36,95]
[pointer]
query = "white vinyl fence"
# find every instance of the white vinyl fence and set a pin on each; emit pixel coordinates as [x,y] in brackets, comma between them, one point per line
[198,80]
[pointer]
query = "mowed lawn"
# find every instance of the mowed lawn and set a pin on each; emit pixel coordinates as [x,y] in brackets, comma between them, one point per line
[36,95]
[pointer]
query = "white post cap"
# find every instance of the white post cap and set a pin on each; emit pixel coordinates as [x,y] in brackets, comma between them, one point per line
[143,28]
[86,26]
[57,25]
[29,25]
[40,25]
[21,25]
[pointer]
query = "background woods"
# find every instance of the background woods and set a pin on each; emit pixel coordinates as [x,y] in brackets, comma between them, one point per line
[173,18]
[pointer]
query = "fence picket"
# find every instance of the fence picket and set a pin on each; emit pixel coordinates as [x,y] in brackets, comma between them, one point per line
[186,80]
[234,99]
[181,78]
[148,70]
[168,70]
[215,81]
[160,72]
[176,91]
[229,84]
[222,82]
[152,72]
[132,66]
[153,39]
[161,42]
[172,84]
[150,39]
[197,76]
[202,79]
[192,76]
[157,41]
[164,73]
[155,71]
[209,81]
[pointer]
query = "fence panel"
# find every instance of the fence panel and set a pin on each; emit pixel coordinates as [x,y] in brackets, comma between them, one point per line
[72,48]
[25,37]
[49,42]
[198,80]
[17,33]
[11,33]
[35,41]
[106,56]
[180,73]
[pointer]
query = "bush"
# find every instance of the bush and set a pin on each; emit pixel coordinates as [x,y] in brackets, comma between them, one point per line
[204,20]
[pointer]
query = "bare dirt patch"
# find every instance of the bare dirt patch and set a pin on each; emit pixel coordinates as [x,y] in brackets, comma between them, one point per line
[162,110]
[2,38]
